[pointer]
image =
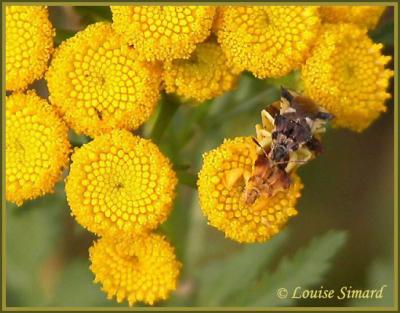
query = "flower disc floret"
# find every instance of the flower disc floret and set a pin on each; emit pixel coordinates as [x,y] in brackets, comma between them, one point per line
[224,204]
[269,41]
[143,268]
[37,147]
[361,15]
[98,84]
[29,44]
[120,183]
[204,76]
[163,32]
[346,75]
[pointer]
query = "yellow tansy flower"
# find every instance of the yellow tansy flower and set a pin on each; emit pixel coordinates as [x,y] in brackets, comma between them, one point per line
[98,84]
[204,76]
[37,147]
[269,41]
[223,203]
[29,44]
[362,15]
[120,183]
[163,32]
[346,75]
[141,268]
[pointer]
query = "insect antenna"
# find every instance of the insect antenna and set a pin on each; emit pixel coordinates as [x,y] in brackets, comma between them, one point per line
[290,161]
[258,144]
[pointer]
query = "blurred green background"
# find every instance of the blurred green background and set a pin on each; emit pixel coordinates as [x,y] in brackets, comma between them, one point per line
[343,235]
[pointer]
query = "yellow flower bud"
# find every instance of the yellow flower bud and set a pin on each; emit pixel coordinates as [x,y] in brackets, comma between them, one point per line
[163,32]
[120,183]
[142,268]
[98,84]
[346,75]
[269,41]
[37,147]
[204,76]
[29,44]
[362,15]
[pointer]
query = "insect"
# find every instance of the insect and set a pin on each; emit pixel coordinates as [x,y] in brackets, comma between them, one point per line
[266,179]
[289,136]
[298,124]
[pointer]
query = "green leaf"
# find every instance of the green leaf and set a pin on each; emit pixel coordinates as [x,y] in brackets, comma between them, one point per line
[32,235]
[63,34]
[76,139]
[380,276]
[290,81]
[222,278]
[306,268]
[384,33]
[93,14]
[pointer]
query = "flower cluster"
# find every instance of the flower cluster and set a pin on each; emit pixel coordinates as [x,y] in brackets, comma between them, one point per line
[121,187]
[247,195]
[105,82]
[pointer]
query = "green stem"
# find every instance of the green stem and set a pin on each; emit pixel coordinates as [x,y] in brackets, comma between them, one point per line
[169,105]
[245,107]
[187,179]
[193,122]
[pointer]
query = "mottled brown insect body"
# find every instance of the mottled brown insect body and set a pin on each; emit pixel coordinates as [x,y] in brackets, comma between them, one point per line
[266,179]
[292,136]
